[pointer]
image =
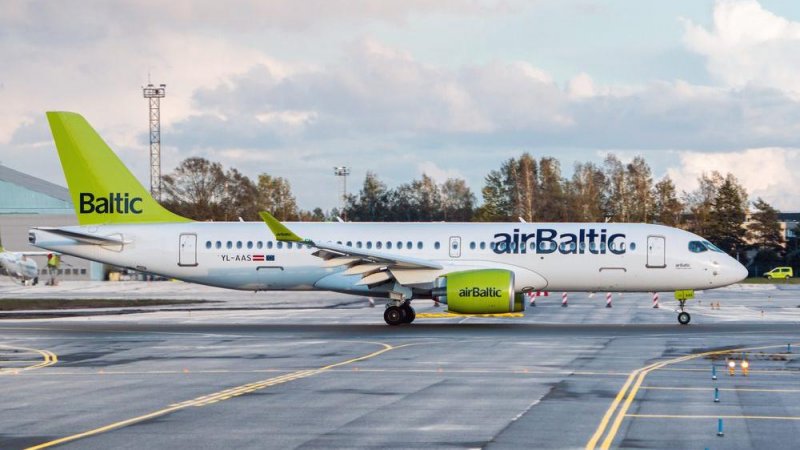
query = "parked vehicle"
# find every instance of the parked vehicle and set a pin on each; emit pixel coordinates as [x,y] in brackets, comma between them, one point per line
[779,273]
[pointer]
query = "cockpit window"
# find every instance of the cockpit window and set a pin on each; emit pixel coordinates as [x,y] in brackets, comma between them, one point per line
[712,247]
[697,247]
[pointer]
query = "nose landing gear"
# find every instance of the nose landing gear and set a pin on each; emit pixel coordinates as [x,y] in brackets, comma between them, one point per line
[683,317]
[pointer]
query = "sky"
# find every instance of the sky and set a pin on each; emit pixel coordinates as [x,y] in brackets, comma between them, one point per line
[406,87]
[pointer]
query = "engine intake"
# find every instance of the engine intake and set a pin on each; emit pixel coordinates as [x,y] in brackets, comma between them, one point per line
[481,291]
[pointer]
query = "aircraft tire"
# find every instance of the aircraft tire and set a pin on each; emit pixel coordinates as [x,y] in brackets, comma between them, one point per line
[410,314]
[684,318]
[394,315]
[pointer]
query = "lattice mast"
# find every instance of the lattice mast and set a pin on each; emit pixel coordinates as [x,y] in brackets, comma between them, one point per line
[154,95]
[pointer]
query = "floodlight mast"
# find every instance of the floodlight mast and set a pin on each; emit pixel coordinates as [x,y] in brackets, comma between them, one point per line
[343,171]
[154,94]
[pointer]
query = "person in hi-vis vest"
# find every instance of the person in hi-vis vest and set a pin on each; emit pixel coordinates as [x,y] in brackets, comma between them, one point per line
[53,261]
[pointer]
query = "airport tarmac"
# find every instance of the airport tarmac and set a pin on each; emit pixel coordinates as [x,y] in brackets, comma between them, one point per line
[320,370]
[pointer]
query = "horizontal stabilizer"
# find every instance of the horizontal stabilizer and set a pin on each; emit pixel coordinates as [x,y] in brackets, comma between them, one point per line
[84,238]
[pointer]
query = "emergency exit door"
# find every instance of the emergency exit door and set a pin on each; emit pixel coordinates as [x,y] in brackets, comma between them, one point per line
[656,253]
[187,249]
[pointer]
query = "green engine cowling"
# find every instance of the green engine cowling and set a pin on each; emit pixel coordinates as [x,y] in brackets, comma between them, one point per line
[481,291]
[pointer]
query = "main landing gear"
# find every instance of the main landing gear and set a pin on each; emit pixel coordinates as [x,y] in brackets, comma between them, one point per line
[683,317]
[399,314]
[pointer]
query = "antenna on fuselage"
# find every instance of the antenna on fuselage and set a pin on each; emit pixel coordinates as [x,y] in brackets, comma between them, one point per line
[522,220]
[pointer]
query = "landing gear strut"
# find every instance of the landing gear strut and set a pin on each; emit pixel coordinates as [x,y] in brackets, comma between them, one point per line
[399,314]
[683,317]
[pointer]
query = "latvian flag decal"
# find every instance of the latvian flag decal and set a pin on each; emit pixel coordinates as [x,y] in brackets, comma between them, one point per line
[258,257]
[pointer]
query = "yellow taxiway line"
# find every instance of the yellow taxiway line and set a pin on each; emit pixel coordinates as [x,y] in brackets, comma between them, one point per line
[689,416]
[629,391]
[673,388]
[215,397]
[48,359]
[449,315]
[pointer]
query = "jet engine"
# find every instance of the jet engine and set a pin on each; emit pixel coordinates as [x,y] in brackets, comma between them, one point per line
[481,291]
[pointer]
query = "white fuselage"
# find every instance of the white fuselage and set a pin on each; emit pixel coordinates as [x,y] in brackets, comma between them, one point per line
[19,266]
[552,256]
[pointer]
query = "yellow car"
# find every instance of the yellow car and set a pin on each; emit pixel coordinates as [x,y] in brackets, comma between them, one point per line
[779,273]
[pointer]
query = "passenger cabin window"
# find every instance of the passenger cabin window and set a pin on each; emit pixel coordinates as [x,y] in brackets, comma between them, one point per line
[358,244]
[280,244]
[472,245]
[436,245]
[269,245]
[288,245]
[259,245]
[409,245]
[369,244]
[218,244]
[633,246]
[399,245]
[249,244]
[238,244]
[349,243]
[389,245]
[533,246]
[208,244]
[483,245]
[229,245]
[379,245]
[419,245]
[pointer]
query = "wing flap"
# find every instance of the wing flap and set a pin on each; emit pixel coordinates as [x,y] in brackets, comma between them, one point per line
[375,278]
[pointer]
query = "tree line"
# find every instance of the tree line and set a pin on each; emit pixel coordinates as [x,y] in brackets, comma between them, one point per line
[522,188]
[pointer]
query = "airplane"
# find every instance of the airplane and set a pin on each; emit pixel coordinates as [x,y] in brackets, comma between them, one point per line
[19,266]
[474,268]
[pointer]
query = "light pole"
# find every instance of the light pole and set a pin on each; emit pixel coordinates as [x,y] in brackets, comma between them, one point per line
[343,171]
[154,94]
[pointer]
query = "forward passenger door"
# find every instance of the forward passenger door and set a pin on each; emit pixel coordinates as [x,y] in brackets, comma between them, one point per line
[187,250]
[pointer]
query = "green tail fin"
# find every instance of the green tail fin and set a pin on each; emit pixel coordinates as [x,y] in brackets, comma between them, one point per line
[102,188]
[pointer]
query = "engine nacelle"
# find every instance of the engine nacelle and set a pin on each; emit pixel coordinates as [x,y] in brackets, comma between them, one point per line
[481,291]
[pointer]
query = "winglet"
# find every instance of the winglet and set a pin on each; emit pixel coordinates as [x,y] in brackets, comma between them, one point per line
[278,229]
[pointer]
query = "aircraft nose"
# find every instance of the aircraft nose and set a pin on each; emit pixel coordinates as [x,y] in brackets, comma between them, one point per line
[737,272]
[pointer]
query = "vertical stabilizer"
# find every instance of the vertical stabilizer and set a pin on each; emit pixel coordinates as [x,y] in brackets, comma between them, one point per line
[102,188]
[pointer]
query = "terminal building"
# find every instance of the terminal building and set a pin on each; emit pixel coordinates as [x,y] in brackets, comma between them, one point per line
[27,202]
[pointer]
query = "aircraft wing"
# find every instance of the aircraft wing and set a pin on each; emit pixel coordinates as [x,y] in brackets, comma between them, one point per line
[33,253]
[374,267]
[330,250]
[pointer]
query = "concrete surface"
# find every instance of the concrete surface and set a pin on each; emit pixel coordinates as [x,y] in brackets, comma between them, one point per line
[319,370]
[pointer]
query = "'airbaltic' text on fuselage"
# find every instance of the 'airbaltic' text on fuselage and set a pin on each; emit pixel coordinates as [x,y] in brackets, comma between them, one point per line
[549,240]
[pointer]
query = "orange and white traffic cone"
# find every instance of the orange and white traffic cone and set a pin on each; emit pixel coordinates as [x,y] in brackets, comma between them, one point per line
[608,300]
[655,300]
[564,300]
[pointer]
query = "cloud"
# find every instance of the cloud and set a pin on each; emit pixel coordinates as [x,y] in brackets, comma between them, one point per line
[765,172]
[437,173]
[749,45]
[385,93]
